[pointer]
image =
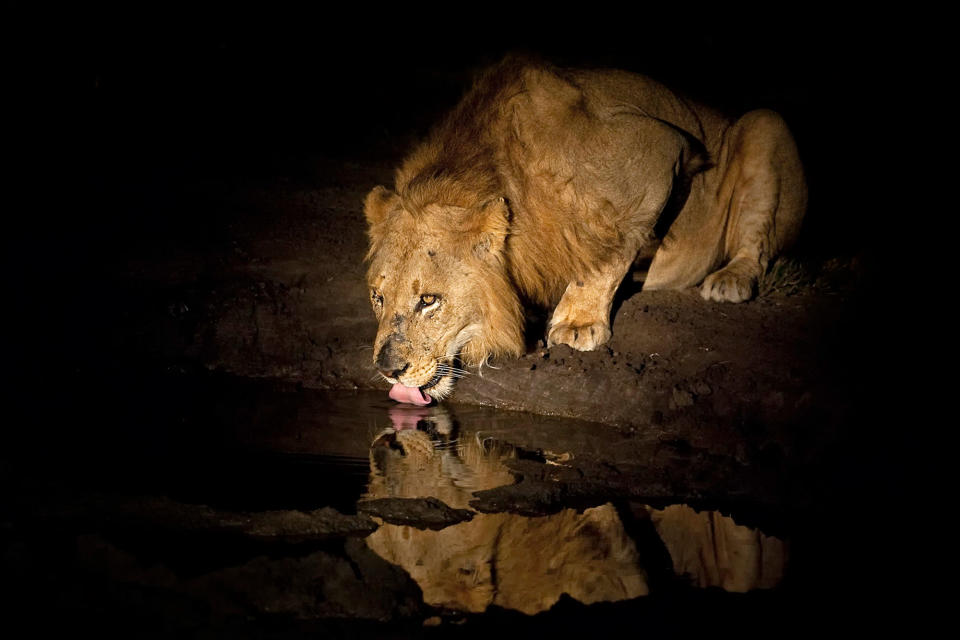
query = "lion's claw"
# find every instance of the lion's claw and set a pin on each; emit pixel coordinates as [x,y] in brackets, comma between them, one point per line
[728,285]
[581,337]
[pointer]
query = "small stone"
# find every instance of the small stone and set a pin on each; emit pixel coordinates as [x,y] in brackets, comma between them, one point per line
[701,388]
[682,398]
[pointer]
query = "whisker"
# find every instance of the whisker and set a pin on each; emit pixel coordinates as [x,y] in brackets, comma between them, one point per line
[447,368]
[378,377]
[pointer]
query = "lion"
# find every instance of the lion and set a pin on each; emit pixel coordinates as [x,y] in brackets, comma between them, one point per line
[542,187]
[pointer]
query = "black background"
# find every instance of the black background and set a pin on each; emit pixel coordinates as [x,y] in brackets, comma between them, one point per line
[101,88]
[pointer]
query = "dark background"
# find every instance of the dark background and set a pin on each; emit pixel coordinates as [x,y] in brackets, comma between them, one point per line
[103,91]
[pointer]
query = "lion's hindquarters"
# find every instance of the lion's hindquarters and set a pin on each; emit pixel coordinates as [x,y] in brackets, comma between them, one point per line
[693,244]
[740,214]
[769,194]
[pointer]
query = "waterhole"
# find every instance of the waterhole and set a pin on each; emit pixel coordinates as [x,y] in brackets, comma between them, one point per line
[248,498]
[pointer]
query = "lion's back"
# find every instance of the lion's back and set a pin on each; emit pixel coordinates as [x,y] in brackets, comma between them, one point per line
[586,158]
[579,155]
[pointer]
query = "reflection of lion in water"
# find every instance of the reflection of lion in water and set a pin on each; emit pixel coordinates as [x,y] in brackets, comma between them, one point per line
[544,184]
[526,563]
[495,559]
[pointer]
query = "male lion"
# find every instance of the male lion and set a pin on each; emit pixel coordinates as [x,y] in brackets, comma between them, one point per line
[542,186]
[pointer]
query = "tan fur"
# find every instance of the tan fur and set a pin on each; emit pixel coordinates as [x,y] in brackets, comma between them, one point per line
[543,185]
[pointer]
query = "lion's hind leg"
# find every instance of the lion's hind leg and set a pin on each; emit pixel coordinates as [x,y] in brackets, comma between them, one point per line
[767,203]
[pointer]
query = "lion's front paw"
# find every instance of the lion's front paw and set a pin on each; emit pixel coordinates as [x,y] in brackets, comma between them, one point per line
[581,337]
[728,285]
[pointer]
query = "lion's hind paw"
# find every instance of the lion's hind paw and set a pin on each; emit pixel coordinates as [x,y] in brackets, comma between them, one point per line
[729,284]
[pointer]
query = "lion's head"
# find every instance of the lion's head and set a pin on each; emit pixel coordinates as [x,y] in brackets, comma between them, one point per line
[439,288]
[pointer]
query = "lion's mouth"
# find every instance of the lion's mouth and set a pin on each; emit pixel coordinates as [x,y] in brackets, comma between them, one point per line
[434,381]
[419,395]
[410,395]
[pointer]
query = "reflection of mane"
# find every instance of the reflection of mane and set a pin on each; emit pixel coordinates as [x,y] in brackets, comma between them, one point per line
[495,559]
[427,456]
[524,563]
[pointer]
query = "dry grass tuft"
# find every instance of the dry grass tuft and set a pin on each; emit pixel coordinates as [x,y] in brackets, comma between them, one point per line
[785,277]
[790,276]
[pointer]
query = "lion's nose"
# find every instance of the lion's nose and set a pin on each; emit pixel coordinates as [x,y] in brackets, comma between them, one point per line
[395,373]
[389,363]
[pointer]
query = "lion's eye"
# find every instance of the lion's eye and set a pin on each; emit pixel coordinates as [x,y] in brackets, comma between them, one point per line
[428,299]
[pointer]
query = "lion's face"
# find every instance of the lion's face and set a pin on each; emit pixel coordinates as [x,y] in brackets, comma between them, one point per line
[439,290]
[421,296]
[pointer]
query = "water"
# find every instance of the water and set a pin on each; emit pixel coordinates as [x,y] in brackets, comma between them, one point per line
[527,563]
[175,474]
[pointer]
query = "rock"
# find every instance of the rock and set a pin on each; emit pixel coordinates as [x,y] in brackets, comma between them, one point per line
[681,398]
[422,513]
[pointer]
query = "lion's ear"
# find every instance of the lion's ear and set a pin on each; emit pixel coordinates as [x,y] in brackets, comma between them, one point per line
[491,226]
[378,204]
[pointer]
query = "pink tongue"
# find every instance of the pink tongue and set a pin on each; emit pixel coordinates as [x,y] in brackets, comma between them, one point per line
[410,395]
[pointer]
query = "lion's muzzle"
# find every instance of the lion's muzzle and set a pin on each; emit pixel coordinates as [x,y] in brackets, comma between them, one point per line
[389,361]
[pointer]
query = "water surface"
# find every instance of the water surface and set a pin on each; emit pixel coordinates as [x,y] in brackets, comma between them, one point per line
[537,517]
